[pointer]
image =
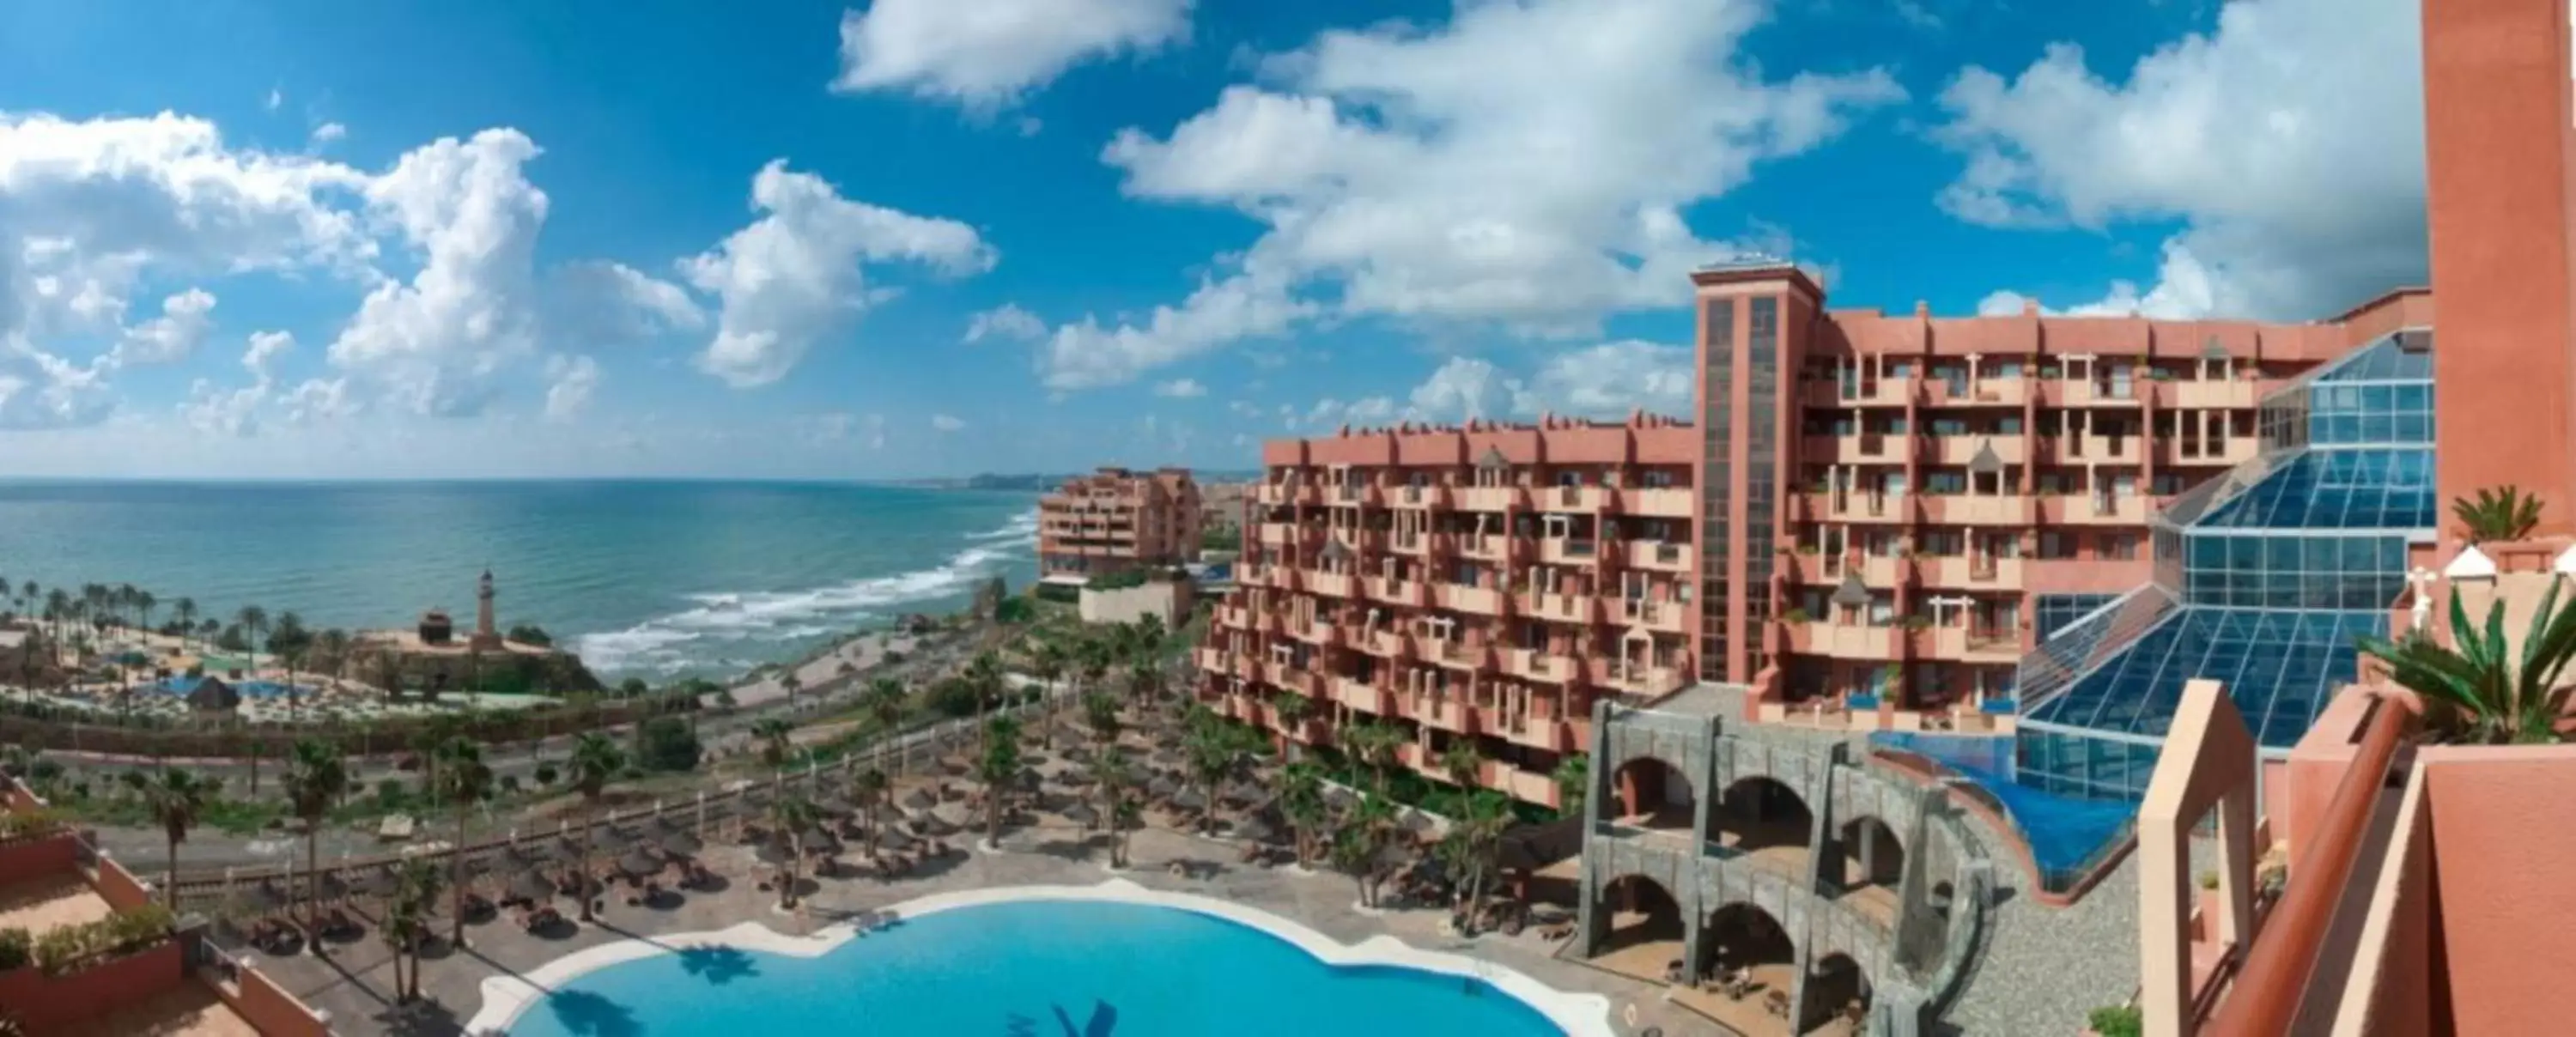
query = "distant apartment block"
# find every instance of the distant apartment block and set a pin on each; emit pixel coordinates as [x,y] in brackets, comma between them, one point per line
[1896,508]
[1481,584]
[1115,520]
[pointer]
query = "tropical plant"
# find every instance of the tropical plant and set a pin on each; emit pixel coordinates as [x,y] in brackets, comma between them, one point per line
[406,922]
[315,779]
[869,787]
[999,768]
[1048,664]
[2479,691]
[793,684]
[1375,745]
[884,702]
[1471,850]
[1215,751]
[177,800]
[1113,774]
[464,781]
[1464,764]
[1573,777]
[984,680]
[2498,514]
[2117,1021]
[776,743]
[1301,801]
[596,760]
[252,619]
[793,815]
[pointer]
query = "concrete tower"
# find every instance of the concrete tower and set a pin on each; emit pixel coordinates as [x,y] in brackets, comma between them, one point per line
[484,635]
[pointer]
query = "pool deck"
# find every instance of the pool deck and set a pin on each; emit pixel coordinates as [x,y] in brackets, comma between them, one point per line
[53,901]
[353,982]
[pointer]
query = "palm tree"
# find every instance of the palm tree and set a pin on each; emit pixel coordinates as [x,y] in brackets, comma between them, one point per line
[1100,713]
[1301,799]
[1369,826]
[1145,679]
[1293,709]
[596,760]
[1113,774]
[1375,745]
[776,742]
[463,782]
[1470,851]
[999,767]
[58,604]
[252,619]
[869,786]
[184,611]
[1573,776]
[416,887]
[1048,664]
[2477,691]
[2498,514]
[144,603]
[884,701]
[1215,751]
[984,678]
[176,800]
[793,815]
[315,779]
[793,684]
[1464,764]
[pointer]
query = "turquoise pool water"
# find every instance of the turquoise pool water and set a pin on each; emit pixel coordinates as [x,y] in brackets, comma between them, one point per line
[2067,834]
[1030,969]
[248,689]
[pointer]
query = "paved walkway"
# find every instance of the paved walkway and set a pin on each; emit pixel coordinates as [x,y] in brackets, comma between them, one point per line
[353,982]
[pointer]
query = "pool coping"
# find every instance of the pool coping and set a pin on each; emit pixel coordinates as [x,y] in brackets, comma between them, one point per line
[506,997]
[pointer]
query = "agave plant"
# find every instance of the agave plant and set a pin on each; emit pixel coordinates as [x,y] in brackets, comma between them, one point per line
[2478,691]
[2498,514]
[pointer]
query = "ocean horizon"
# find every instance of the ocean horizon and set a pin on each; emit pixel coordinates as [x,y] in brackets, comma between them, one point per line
[648,577]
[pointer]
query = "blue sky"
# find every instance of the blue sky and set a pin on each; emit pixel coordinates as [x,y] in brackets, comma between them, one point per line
[910,237]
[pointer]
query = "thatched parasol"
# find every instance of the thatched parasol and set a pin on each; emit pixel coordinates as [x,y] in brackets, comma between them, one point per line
[257,900]
[837,805]
[681,844]
[775,851]
[639,864]
[1082,814]
[931,826]
[532,885]
[1161,787]
[1416,822]
[893,840]
[1189,799]
[374,884]
[919,799]
[1252,830]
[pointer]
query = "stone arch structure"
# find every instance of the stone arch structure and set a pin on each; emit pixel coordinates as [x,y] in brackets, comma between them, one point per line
[1656,912]
[1646,785]
[1872,853]
[1740,934]
[1836,985]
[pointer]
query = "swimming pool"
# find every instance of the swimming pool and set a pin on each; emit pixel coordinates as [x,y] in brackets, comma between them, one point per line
[1062,962]
[248,689]
[2067,835]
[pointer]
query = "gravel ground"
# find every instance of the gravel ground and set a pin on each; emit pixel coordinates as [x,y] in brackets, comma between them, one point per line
[2046,967]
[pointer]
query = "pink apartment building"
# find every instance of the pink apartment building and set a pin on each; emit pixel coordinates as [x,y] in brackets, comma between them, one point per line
[1484,583]
[1902,505]
[1114,520]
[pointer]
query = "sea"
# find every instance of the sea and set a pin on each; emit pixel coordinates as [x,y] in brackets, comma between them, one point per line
[652,579]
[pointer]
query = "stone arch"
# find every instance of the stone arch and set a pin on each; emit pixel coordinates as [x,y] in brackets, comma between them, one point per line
[1651,786]
[1743,939]
[1760,810]
[1641,913]
[1873,852]
[1837,997]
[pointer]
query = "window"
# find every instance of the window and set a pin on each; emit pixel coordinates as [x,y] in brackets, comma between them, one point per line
[2053,544]
[1946,427]
[1945,483]
[2119,547]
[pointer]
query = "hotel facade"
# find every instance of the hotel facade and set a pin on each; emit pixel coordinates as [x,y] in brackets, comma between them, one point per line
[1115,520]
[1878,513]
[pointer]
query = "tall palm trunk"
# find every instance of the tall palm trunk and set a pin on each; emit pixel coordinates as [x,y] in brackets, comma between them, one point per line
[170,883]
[313,887]
[456,877]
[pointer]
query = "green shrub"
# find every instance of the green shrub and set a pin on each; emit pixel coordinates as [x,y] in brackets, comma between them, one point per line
[546,774]
[666,745]
[17,948]
[2118,1021]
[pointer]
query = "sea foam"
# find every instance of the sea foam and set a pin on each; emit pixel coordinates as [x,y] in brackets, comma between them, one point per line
[682,640]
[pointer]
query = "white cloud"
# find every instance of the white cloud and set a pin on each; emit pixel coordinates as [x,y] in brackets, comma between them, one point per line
[1180,388]
[573,379]
[325,134]
[1244,409]
[1606,381]
[275,98]
[437,344]
[609,303]
[1006,321]
[1435,175]
[170,337]
[2288,141]
[988,54]
[794,275]
[945,423]
[242,411]
[1329,414]
[1466,387]
[876,431]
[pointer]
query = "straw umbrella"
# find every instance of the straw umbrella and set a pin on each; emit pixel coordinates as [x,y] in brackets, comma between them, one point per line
[919,800]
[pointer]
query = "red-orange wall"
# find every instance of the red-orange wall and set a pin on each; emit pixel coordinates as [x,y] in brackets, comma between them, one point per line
[2504,832]
[49,1004]
[36,858]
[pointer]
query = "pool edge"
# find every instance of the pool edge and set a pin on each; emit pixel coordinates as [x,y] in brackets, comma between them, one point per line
[506,997]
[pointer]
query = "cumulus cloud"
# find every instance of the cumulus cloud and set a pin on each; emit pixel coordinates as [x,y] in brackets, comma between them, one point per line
[572,379]
[325,134]
[1180,388]
[437,343]
[945,423]
[1005,322]
[172,336]
[1425,174]
[244,410]
[1606,381]
[607,303]
[795,274]
[988,54]
[2287,141]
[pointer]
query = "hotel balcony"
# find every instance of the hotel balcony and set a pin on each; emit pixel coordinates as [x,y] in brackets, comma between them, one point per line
[2083,449]
[1366,698]
[1855,506]
[1301,680]
[1252,668]
[2235,451]
[1475,601]
[1311,730]
[1672,502]
[2228,394]
[1450,653]
[1233,617]
[2006,509]
[1536,732]
[1399,593]
[2090,509]
[1534,664]
[1355,495]
[1317,632]
[1843,641]
[1964,571]
[1663,617]
[1982,392]
[1883,392]
[1561,608]
[1568,550]
[1284,534]
[1493,498]
[1884,447]
[1630,679]
[1417,544]
[1962,449]
[1594,499]
[1484,547]
[2083,393]
[1435,497]
[1278,494]
[1329,585]
[1448,713]
[1659,556]
[1388,644]
[1212,660]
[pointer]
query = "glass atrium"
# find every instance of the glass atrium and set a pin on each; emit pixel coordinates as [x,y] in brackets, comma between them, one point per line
[2264,578]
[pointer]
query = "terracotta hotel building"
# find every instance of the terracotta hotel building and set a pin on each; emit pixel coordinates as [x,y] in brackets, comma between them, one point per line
[1881,512]
[1114,521]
